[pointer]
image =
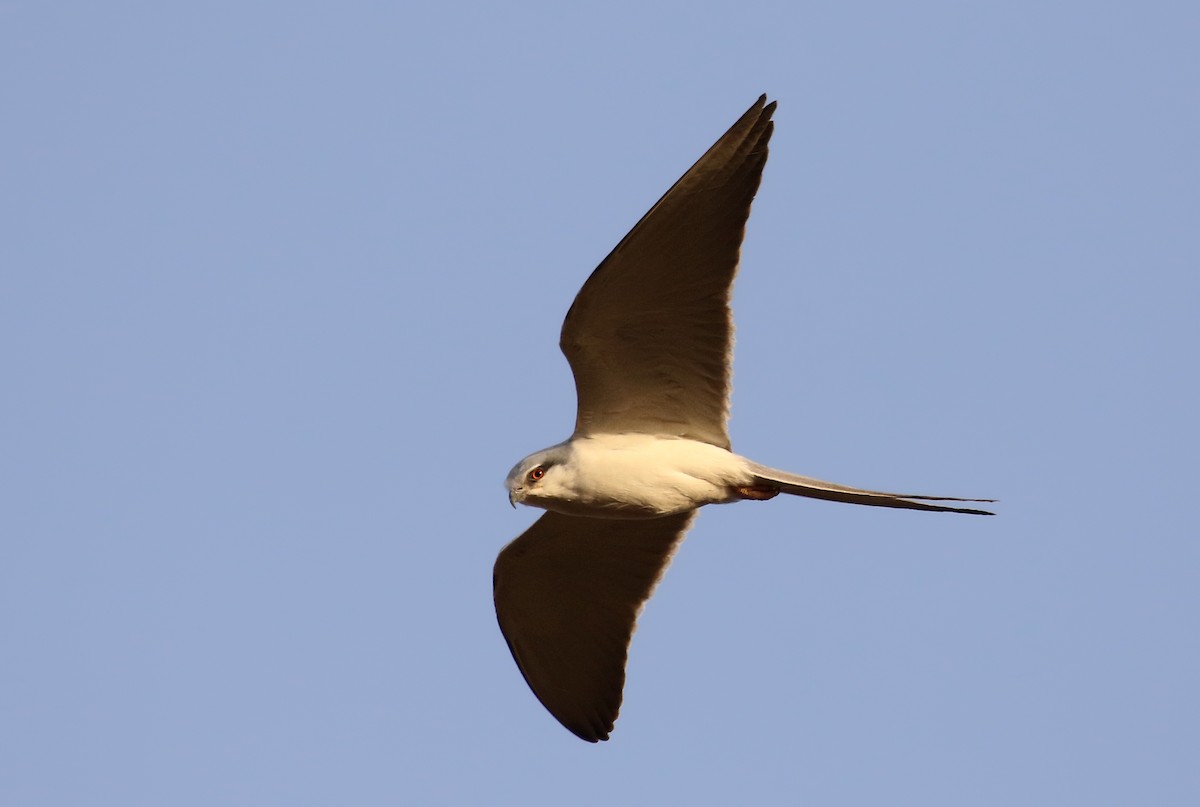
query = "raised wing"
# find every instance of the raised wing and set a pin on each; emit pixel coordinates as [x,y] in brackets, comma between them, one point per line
[568,593]
[649,336]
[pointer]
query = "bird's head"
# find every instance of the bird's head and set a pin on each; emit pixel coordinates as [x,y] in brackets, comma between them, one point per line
[538,477]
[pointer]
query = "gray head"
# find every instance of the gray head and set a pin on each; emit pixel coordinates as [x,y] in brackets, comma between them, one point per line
[535,476]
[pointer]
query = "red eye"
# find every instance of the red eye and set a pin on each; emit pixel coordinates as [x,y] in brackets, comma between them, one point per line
[537,473]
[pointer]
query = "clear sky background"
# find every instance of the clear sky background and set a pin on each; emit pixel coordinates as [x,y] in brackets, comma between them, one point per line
[281,290]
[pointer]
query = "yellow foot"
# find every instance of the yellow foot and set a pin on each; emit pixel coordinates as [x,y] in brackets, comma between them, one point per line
[757,493]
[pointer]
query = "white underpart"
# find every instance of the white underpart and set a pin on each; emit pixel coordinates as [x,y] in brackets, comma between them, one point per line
[640,476]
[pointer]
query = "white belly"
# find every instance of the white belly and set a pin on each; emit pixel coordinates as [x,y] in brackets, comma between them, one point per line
[643,476]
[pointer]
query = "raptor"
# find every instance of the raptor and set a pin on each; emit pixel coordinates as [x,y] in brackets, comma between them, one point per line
[649,340]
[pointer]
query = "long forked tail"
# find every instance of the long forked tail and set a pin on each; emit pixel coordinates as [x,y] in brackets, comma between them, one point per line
[818,489]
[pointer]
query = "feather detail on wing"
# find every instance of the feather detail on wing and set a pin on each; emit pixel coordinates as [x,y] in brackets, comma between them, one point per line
[568,593]
[649,336]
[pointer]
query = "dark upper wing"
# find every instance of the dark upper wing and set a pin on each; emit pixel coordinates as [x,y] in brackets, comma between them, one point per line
[568,593]
[649,335]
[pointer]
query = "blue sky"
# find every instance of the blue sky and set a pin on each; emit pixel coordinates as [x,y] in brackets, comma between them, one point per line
[281,288]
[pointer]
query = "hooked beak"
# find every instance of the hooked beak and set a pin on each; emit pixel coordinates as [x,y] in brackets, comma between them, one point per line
[513,498]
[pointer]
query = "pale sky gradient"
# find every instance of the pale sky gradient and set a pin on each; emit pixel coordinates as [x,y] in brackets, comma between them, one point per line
[280,290]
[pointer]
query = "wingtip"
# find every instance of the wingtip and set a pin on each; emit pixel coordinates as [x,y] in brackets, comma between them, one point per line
[587,733]
[762,104]
[762,107]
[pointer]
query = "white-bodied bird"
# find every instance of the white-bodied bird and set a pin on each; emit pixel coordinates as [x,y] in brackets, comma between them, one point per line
[649,340]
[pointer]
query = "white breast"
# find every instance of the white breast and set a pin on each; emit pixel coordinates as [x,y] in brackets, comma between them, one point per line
[644,476]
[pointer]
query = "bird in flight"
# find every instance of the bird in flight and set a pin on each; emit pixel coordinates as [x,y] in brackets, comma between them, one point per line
[649,340]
